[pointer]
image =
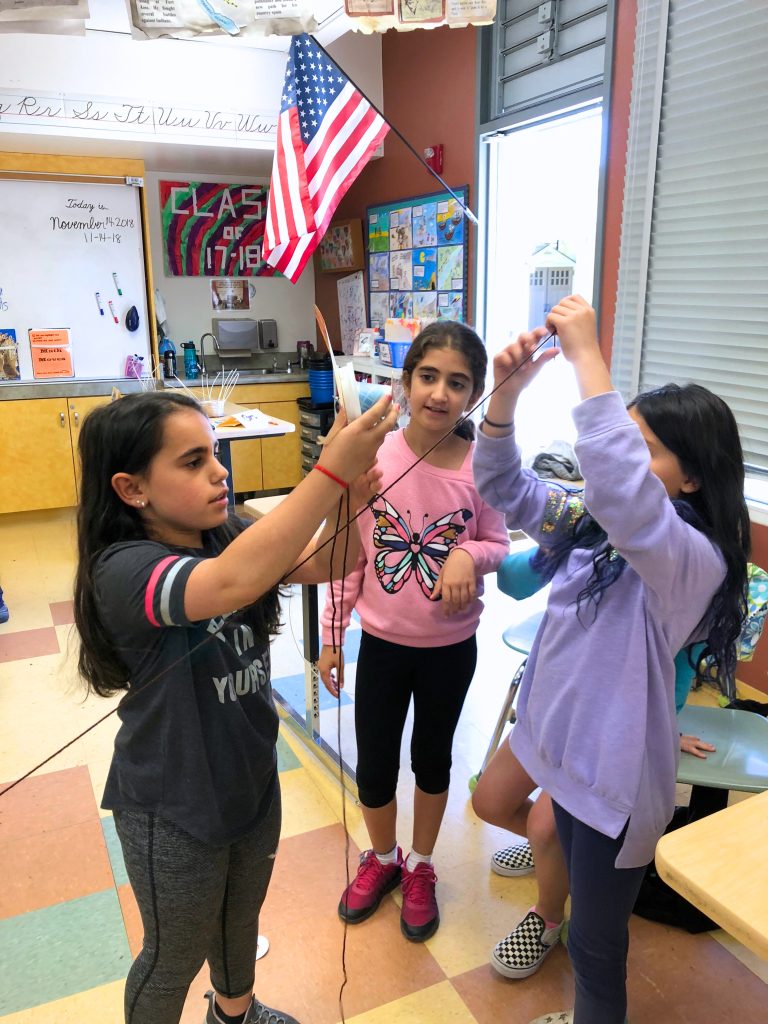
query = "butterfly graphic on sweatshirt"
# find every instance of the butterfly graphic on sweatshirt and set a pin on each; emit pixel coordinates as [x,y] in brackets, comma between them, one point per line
[403,551]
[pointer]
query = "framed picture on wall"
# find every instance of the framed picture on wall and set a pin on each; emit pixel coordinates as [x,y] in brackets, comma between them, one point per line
[341,249]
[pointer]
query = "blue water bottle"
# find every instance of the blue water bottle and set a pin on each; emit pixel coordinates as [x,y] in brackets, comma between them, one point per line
[191,368]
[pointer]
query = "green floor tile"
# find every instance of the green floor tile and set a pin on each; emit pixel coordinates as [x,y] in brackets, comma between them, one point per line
[55,952]
[115,851]
[286,759]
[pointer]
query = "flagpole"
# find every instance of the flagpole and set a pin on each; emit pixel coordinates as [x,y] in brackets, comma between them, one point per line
[467,212]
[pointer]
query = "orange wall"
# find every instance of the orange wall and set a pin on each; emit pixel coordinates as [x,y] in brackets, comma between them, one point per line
[754,673]
[429,96]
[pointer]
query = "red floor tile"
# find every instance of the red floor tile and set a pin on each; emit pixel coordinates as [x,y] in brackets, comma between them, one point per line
[131,918]
[28,643]
[53,867]
[62,612]
[46,802]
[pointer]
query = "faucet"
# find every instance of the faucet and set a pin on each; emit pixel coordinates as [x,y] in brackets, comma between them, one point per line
[208,334]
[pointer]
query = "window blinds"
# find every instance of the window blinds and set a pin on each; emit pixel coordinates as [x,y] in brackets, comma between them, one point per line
[692,300]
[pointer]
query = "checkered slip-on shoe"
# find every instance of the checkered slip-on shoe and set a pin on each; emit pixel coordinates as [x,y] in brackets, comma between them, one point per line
[566,1017]
[513,860]
[257,1013]
[522,952]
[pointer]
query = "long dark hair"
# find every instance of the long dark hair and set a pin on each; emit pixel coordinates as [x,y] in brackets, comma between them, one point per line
[699,428]
[124,437]
[455,335]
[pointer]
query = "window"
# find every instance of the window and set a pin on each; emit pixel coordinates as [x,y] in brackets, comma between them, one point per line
[544,216]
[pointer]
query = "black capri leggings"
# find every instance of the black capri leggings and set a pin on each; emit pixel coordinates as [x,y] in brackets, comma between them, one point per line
[387,675]
[197,902]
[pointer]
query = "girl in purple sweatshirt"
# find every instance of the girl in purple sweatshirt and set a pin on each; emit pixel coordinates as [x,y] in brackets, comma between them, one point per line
[653,559]
[416,587]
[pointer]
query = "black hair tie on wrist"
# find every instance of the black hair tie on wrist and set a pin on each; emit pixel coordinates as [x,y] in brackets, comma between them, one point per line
[498,426]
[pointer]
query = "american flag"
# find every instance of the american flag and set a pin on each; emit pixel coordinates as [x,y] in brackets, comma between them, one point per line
[326,134]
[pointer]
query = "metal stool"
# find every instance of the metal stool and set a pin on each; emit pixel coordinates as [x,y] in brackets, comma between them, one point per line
[519,638]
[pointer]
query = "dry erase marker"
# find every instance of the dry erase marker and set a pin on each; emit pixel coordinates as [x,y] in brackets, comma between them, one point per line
[117,284]
[98,303]
[112,311]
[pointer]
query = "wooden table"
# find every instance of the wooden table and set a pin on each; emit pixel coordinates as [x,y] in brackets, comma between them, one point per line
[719,864]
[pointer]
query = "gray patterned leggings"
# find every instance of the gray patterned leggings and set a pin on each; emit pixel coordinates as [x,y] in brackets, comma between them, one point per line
[197,903]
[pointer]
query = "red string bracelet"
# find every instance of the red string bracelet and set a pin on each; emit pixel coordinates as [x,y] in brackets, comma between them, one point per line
[332,476]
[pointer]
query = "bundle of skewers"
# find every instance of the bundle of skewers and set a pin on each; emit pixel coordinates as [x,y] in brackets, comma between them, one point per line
[215,393]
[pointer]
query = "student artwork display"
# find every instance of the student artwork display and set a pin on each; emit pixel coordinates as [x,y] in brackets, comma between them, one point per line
[380,15]
[352,319]
[342,247]
[417,258]
[212,230]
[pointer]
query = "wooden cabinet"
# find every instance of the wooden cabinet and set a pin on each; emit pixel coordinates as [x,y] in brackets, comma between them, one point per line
[37,467]
[270,463]
[40,466]
[78,410]
[281,456]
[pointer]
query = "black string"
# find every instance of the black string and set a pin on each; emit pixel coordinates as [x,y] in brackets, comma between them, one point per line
[132,693]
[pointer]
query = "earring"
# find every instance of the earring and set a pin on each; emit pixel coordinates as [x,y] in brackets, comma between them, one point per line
[140,503]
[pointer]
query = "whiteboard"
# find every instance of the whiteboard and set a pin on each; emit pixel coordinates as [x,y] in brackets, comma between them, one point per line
[61,243]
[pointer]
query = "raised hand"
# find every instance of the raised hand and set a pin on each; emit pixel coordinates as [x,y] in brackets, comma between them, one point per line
[574,322]
[350,448]
[576,325]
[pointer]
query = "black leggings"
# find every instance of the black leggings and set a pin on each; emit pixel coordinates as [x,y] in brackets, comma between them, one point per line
[387,676]
[602,898]
[197,902]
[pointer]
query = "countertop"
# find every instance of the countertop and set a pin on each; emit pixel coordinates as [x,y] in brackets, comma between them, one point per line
[127,385]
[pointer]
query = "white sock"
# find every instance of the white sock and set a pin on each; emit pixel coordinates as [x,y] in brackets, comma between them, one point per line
[387,858]
[414,858]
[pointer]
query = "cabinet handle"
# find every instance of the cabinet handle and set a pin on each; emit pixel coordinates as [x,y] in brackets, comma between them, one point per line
[61,417]
[77,419]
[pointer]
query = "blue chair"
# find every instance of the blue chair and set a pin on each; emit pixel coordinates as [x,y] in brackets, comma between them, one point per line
[740,761]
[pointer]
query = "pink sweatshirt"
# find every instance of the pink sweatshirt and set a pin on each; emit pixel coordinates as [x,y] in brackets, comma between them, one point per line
[406,537]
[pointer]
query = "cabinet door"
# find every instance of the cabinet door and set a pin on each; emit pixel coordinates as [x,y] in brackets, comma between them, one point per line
[78,410]
[247,464]
[281,456]
[37,470]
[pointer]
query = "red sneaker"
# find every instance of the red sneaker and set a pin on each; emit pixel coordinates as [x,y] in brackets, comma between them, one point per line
[372,882]
[419,917]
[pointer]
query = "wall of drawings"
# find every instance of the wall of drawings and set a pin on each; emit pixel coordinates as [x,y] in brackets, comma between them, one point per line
[417,258]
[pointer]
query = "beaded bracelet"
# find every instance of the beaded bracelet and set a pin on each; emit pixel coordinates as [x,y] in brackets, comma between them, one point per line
[498,426]
[332,476]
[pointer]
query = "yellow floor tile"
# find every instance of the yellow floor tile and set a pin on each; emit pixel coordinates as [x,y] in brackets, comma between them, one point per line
[95,1006]
[303,806]
[439,1003]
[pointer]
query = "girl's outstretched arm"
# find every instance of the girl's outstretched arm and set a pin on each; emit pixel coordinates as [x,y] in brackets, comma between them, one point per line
[263,554]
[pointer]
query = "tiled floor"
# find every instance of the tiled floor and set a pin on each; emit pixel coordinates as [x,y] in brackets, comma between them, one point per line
[69,925]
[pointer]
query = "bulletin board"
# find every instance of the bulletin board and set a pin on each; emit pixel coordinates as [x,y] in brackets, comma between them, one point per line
[72,268]
[417,258]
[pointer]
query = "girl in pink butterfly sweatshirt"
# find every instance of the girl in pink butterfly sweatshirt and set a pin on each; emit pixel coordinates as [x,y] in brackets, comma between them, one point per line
[416,586]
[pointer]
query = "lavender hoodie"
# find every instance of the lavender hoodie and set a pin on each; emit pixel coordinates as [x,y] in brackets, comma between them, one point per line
[596,723]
